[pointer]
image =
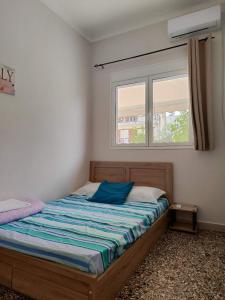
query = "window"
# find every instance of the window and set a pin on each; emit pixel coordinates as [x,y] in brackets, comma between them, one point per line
[153,111]
[171,111]
[131,113]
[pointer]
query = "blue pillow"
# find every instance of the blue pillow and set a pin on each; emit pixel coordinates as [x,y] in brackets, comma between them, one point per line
[112,192]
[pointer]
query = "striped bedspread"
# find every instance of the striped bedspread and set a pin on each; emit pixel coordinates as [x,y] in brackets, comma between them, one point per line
[79,233]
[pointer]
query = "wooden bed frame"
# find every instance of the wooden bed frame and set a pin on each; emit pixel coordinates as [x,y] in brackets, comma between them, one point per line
[46,280]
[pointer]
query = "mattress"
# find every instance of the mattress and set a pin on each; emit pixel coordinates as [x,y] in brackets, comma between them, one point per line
[85,235]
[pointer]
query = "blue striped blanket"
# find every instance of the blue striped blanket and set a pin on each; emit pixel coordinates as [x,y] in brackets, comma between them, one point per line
[79,233]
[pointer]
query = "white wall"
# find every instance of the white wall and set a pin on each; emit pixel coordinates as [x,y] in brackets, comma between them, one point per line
[44,129]
[199,176]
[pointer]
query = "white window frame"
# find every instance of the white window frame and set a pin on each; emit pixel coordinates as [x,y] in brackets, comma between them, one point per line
[175,73]
[150,73]
[114,111]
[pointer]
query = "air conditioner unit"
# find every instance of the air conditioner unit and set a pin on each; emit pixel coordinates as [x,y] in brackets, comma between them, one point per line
[202,21]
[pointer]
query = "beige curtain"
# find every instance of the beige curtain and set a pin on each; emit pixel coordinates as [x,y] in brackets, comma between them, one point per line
[200,76]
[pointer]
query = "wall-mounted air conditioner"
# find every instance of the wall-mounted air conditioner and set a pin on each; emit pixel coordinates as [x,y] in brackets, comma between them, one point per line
[203,21]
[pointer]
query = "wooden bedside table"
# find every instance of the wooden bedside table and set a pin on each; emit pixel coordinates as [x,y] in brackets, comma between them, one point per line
[183,225]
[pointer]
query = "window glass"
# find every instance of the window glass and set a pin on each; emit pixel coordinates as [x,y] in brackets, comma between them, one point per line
[131,113]
[171,110]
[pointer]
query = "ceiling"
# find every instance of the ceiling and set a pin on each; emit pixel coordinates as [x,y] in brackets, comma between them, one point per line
[99,19]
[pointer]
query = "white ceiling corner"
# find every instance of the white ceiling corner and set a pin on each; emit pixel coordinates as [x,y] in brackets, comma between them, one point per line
[99,19]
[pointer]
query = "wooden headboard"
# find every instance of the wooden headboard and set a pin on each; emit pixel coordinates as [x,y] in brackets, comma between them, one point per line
[153,174]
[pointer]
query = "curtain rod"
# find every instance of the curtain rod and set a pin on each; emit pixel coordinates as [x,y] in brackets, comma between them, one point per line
[145,54]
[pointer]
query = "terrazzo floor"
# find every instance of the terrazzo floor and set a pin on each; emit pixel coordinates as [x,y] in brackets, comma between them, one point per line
[181,266]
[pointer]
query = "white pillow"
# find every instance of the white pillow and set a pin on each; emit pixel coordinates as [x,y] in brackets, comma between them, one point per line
[88,189]
[137,194]
[144,194]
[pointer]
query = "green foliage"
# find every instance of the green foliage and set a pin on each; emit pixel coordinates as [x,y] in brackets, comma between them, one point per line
[137,135]
[176,131]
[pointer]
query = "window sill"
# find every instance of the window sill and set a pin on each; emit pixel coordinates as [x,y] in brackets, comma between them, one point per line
[167,147]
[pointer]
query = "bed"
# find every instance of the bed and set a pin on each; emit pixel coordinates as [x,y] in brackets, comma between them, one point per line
[47,277]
